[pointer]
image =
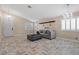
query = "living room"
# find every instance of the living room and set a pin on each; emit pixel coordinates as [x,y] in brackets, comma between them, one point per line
[39,29]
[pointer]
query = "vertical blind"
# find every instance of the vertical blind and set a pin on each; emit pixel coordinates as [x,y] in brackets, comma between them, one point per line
[70,24]
[73,24]
[77,23]
[67,24]
[63,24]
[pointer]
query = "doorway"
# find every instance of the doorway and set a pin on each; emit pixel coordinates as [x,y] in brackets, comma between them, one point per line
[7,26]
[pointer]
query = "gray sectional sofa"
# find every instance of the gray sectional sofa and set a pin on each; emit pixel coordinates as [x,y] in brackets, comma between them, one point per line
[42,34]
[34,37]
[48,34]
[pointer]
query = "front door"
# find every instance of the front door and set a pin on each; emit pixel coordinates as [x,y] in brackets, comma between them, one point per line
[8,26]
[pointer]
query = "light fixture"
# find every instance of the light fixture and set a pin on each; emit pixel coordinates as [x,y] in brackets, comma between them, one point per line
[67,13]
[8,16]
[29,6]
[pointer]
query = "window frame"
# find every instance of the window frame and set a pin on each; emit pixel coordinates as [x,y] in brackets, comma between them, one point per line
[71,30]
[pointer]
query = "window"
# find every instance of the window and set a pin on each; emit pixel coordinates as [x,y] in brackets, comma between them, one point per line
[73,24]
[70,25]
[77,23]
[63,24]
[67,24]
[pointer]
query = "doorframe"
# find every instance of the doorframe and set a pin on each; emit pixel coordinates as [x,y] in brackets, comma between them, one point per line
[3,25]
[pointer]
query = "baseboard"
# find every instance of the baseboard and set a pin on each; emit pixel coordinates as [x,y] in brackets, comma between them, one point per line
[73,40]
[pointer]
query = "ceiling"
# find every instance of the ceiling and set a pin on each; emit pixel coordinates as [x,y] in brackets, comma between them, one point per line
[38,11]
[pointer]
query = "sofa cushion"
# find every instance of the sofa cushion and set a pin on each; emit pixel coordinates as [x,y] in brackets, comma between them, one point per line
[47,32]
[41,31]
[34,37]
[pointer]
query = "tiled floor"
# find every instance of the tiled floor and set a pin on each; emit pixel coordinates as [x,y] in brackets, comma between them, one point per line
[22,46]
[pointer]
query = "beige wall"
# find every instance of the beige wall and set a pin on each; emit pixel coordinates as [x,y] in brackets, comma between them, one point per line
[57,27]
[19,25]
[18,22]
[0,26]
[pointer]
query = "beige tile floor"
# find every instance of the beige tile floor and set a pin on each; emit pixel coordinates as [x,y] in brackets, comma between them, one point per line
[22,46]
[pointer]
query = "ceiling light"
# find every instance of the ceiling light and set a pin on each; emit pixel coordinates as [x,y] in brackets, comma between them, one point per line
[29,6]
[67,13]
[9,16]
